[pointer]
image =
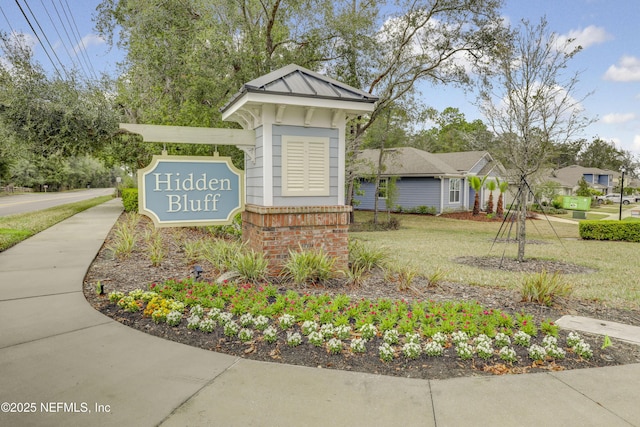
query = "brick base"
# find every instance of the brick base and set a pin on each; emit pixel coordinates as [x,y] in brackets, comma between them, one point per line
[276,230]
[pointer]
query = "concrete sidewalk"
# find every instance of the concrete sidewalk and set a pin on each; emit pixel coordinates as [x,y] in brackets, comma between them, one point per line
[69,365]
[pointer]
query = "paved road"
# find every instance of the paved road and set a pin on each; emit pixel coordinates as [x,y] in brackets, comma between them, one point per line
[29,202]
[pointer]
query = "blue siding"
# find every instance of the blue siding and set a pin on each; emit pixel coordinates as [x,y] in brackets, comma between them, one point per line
[589,178]
[457,205]
[254,173]
[411,193]
[478,166]
[603,180]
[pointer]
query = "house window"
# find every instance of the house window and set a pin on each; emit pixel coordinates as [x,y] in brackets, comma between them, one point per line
[383,188]
[305,166]
[454,190]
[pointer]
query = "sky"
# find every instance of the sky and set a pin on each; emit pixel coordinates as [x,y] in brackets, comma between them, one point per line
[609,62]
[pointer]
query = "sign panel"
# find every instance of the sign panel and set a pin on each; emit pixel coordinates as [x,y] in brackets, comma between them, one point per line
[576,203]
[177,191]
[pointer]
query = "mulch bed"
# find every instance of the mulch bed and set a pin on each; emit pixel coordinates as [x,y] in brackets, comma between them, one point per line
[137,272]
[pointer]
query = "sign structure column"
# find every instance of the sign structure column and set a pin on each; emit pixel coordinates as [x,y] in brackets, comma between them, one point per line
[295,175]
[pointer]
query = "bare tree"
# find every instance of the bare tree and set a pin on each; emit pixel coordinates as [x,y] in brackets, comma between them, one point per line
[421,41]
[530,103]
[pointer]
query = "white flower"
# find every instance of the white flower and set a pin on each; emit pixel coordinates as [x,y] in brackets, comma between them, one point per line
[368,331]
[316,338]
[246,319]
[522,338]
[245,334]
[508,354]
[286,321]
[433,348]
[412,350]
[440,338]
[309,326]
[464,350]
[358,345]
[391,336]
[537,352]
[459,337]
[270,334]
[207,324]
[412,338]
[294,338]
[334,345]
[502,340]
[386,352]
[343,331]
[327,330]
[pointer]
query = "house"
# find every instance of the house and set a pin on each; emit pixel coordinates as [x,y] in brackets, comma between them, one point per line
[438,181]
[568,177]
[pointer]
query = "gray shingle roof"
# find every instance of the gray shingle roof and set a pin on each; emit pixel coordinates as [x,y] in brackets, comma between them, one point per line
[404,161]
[294,80]
[463,161]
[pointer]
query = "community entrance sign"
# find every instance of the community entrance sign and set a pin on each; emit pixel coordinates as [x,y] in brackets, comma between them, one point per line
[184,191]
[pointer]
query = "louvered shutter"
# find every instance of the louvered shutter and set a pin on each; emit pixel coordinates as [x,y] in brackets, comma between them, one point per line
[305,166]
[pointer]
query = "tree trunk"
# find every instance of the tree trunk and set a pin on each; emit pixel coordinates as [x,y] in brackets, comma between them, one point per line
[499,207]
[476,204]
[522,221]
[377,186]
[490,203]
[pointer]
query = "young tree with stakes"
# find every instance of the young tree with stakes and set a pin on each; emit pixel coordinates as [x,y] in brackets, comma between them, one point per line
[531,105]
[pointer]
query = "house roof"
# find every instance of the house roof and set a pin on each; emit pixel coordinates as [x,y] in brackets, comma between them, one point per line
[404,161]
[294,80]
[464,161]
[570,175]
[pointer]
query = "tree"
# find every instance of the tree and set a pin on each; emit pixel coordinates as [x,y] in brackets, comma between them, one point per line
[503,186]
[531,104]
[386,133]
[476,183]
[583,188]
[453,133]
[45,120]
[491,186]
[601,154]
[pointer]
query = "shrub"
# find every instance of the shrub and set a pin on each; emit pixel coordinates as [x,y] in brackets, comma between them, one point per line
[364,257]
[544,288]
[308,266]
[628,231]
[251,266]
[130,199]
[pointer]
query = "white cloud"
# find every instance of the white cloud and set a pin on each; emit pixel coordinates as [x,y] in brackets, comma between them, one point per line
[88,41]
[627,70]
[586,37]
[617,118]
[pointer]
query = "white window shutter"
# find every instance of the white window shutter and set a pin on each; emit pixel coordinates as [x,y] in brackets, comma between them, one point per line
[305,166]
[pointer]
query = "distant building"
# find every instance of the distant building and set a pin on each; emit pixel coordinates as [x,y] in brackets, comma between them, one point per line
[438,181]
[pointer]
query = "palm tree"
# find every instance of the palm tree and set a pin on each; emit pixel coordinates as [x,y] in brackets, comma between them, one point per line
[502,186]
[476,184]
[491,186]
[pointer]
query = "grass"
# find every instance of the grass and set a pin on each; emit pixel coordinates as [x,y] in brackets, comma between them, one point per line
[431,243]
[16,228]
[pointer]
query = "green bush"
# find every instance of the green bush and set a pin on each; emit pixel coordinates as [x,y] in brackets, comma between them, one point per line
[308,266]
[544,288]
[130,199]
[628,231]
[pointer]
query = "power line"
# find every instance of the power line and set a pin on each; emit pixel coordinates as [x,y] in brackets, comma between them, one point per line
[80,42]
[66,48]
[45,37]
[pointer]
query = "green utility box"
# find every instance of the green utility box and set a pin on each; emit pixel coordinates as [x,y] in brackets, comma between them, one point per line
[576,203]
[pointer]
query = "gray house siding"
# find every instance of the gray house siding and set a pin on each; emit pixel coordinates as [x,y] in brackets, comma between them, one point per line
[455,206]
[411,193]
[278,132]
[478,166]
[254,173]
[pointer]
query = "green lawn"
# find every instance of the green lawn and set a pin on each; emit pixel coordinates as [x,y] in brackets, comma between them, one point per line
[16,228]
[430,243]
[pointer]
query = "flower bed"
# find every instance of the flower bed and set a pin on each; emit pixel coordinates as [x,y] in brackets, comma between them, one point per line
[390,330]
